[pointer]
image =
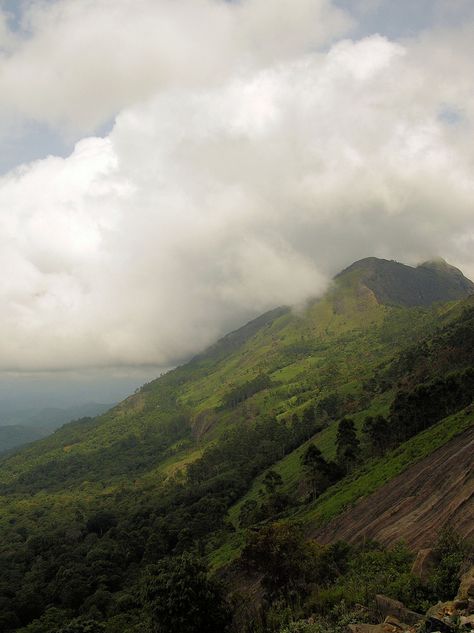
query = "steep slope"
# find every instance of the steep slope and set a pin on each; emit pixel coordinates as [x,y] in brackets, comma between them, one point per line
[168,469]
[173,416]
[415,505]
[397,284]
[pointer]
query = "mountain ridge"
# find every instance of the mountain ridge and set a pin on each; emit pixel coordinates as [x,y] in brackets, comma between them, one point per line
[212,451]
[394,283]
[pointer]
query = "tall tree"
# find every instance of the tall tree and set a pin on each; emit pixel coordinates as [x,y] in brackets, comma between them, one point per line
[316,470]
[347,445]
[377,434]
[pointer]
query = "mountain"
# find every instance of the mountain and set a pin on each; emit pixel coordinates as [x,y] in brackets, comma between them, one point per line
[397,284]
[15,435]
[49,417]
[22,426]
[274,432]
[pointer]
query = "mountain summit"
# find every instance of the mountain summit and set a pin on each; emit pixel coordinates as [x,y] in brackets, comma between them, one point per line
[393,283]
[351,418]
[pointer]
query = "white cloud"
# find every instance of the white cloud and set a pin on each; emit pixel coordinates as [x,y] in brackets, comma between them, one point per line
[213,200]
[84,60]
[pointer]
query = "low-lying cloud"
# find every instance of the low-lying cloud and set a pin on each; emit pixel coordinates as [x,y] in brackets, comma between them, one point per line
[217,197]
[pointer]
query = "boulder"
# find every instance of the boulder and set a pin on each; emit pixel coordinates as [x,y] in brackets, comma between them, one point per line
[424,564]
[466,588]
[389,626]
[389,607]
[364,628]
[433,625]
[467,621]
[395,622]
[442,610]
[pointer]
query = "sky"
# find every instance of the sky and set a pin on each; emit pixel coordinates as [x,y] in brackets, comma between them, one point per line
[169,170]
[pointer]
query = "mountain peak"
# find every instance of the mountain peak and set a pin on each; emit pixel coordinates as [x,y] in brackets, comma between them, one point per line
[394,283]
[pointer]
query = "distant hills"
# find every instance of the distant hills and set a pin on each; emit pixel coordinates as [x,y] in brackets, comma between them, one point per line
[375,379]
[21,426]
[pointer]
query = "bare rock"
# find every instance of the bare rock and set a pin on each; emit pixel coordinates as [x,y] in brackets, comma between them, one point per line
[466,588]
[442,610]
[439,626]
[424,564]
[467,621]
[389,626]
[395,622]
[364,628]
[389,607]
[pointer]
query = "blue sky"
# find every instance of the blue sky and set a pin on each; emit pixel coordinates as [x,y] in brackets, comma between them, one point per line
[398,19]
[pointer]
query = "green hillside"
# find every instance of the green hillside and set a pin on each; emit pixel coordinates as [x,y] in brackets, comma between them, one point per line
[175,466]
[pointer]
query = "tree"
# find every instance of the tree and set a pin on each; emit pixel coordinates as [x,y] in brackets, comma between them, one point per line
[82,626]
[451,551]
[347,445]
[271,482]
[248,513]
[280,552]
[377,433]
[316,470]
[319,473]
[101,522]
[179,596]
[308,421]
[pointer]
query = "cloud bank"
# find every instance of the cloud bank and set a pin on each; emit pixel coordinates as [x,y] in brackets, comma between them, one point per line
[248,163]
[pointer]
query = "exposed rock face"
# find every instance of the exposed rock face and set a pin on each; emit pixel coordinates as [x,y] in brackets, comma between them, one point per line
[444,617]
[391,625]
[424,564]
[466,588]
[387,607]
[415,506]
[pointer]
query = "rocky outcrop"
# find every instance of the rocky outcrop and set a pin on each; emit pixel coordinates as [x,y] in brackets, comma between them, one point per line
[437,491]
[424,564]
[466,588]
[387,607]
[444,617]
[391,625]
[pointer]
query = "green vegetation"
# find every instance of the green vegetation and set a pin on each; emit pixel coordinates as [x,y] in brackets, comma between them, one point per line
[229,459]
[375,473]
[329,583]
[178,595]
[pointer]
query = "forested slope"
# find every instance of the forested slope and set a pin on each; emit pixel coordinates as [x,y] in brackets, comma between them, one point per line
[291,418]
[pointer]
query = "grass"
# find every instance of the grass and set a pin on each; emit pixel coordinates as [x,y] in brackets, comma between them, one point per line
[363,482]
[377,473]
[290,466]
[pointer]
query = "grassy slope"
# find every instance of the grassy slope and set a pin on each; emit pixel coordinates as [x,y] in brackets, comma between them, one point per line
[378,472]
[290,466]
[357,485]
